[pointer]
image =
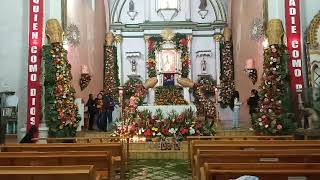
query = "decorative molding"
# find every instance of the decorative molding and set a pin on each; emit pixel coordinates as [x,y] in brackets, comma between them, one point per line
[313,31]
[167,34]
[257,29]
[204,53]
[73,35]
[134,54]
[170,10]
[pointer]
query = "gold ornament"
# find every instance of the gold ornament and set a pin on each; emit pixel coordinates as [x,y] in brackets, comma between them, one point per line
[167,34]
[118,39]
[109,39]
[227,33]
[54,31]
[275,31]
[217,37]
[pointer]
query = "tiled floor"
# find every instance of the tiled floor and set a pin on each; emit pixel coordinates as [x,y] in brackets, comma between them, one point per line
[158,169]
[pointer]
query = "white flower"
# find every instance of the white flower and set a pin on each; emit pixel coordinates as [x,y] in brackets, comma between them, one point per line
[260,124]
[266,126]
[191,131]
[159,134]
[250,129]
[260,119]
[173,130]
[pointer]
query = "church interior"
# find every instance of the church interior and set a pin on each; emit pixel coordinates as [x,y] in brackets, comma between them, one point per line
[160,89]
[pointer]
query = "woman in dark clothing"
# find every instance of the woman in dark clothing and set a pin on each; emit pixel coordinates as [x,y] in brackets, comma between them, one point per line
[30,135]
[100,111]
[91,110]
[253,102]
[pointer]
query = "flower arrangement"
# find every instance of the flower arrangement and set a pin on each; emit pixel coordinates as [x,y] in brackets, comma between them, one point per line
[181,44]
[84,81]
[227,75]
[173,125]
[169,95]
[130,87]
[205,105]
[204,91]
[111,72]
[60,110]
[274,115]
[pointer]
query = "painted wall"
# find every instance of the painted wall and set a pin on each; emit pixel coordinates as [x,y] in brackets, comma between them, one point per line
[245,48]
[89,16]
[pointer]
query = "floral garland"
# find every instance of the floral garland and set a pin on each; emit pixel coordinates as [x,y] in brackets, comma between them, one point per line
[111,72]
[181,44]
[227,75]
[205,104]
[60,110]
[84,81]
[207,87]
[169,95]
[130,87]
[274,117]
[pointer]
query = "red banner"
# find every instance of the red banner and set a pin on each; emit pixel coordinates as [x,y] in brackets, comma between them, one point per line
[34,62]
[293,28]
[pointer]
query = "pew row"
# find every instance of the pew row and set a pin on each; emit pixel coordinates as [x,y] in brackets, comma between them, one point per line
[265,171]
[259,156]
[102,161]
[48,173]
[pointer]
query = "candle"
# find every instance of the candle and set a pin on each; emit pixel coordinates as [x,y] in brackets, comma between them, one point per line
[249,64]
[84,69]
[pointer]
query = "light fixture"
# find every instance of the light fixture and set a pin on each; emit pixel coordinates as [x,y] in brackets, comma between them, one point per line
[251,71]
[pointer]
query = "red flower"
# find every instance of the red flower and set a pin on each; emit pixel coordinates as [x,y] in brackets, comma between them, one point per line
[165,132]
[147,133]
[183,131]
[184,42]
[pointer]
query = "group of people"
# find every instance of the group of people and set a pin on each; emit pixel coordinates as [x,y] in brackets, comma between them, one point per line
[100,111]
[252,102]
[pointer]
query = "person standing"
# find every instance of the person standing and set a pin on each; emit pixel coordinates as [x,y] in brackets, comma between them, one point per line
[109,108]
[91,110]
[253,102]
[100,114]
[236,110]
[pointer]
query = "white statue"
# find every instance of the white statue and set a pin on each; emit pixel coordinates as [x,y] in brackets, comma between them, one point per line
[133,65]
[203,65]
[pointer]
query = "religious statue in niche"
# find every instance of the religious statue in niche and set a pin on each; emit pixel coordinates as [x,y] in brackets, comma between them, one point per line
[132,13]
[133,62]
[203,12]
[203,66]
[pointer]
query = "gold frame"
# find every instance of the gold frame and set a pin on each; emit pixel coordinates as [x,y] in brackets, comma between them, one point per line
[313,31]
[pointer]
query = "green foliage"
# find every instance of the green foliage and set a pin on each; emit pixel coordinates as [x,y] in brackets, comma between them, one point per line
[130,87]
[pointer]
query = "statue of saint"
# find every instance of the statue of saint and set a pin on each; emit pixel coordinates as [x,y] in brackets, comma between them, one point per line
[134,65]
[203,5]
[204,65]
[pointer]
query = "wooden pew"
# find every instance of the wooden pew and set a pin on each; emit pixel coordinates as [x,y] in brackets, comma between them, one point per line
[115,149]
[47,173]
[265,171]
[247,145]
[231,138]
[100,159]
[260,156]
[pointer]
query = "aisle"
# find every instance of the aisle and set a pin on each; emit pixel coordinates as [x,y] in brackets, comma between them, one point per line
[158,169]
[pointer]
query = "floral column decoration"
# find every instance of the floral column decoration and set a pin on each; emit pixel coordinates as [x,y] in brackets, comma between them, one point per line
[111,69]
[227,71]
[274,116]
[60,110]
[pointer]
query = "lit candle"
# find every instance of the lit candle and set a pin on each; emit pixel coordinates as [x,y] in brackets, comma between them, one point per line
[249,64]
[84,69]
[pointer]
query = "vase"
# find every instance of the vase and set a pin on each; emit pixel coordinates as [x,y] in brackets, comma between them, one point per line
[275,31]
[150,83]
[227,34]
[109,38]
[185,82]
[54,31]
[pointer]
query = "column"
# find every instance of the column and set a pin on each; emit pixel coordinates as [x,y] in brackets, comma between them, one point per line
[147,11]
[118,44]
[188,10]
[186,92]
[217,39]
[151,93]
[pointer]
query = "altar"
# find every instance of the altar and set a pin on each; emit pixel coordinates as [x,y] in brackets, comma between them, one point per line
[168,109]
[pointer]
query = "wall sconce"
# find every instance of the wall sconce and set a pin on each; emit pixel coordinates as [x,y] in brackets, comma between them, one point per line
[251,71]
[85,77]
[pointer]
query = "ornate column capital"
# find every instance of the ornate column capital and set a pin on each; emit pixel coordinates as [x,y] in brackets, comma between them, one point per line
[146,38]
[189,37]
[118,39]
[217,37]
